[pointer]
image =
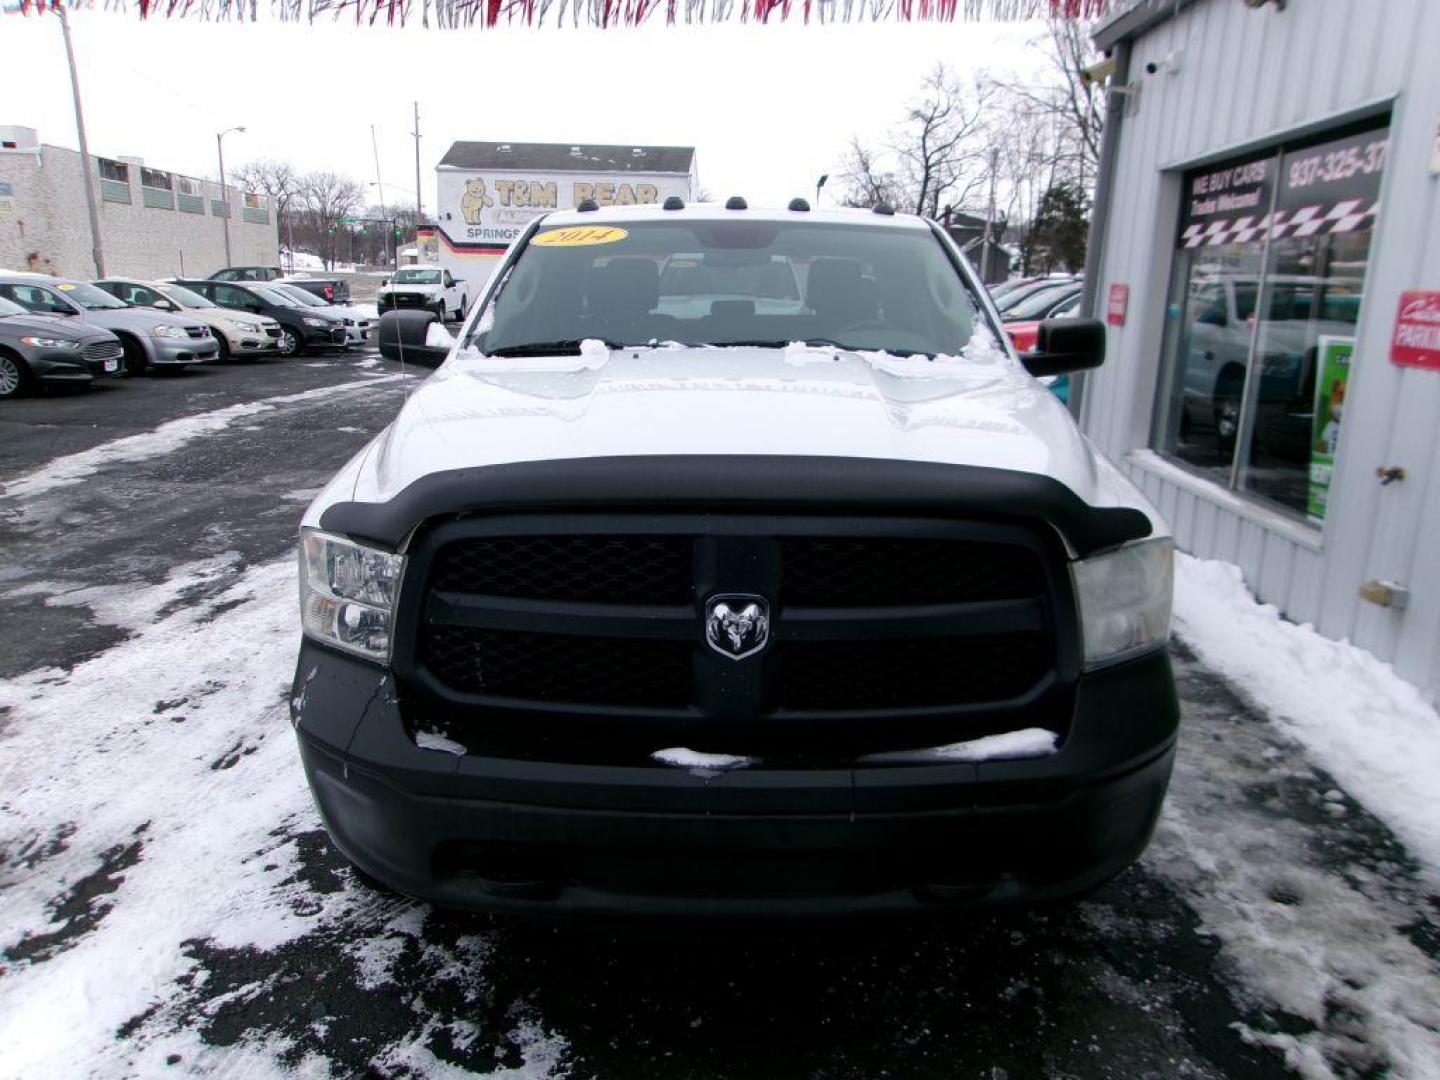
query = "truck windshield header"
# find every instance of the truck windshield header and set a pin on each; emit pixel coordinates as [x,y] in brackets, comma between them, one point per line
[733,283]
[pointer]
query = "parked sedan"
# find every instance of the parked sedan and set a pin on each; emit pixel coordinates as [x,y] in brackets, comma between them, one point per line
[51,349]
[357,322]
[152,340]
[301,327]
[237,334]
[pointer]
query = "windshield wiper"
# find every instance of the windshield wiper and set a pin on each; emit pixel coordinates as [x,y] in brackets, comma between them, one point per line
[565,347]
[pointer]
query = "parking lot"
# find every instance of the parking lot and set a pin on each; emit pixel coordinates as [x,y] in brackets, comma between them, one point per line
[168,899]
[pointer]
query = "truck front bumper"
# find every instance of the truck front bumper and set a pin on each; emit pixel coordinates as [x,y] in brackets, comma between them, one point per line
[510,835]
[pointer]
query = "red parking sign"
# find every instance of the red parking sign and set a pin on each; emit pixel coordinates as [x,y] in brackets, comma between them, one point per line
[1417,331]
[1118,303]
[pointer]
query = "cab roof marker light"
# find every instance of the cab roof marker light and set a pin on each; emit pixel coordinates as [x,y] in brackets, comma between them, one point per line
[884,209]
[799,205]
[736,202]
[588,206]
[673,202]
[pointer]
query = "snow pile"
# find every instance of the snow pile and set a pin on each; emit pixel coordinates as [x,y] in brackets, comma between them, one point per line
[1361,722]
[980,351]
[168,437]
[1025,743]
[437,337]
[594,354]
[698,763]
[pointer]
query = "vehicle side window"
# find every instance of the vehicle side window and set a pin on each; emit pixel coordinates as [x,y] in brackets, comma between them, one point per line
[138,294]
[225,275]
[228,296]
[34,298]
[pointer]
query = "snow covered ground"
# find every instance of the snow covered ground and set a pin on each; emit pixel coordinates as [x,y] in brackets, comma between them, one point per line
[169,905]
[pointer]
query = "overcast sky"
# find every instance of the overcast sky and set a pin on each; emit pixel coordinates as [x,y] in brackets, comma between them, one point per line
[768,108]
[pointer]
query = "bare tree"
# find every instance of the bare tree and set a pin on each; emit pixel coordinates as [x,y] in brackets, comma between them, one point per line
[939,144]
[278,181]
[867,183]
[328,197]
[935,156]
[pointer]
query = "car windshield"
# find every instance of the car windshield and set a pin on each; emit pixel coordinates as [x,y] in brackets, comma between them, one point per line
[733,282]
[275,296]
[184,297]
[1034,307]
[88,296]
[417,275]
[295,292]
[9,307]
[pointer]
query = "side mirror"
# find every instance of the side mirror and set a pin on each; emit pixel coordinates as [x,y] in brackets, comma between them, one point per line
[402,337]
[384,281]
[1065,345]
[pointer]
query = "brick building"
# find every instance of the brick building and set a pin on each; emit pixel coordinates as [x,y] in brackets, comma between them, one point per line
[153,223]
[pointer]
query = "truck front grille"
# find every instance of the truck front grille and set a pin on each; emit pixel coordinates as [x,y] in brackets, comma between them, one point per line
[871,622]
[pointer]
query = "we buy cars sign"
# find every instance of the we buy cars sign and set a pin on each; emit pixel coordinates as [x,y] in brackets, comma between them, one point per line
[1417,331]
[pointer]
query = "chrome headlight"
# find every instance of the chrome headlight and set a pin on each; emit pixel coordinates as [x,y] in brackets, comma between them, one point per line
[49,343]
[1124,598]
[169,331]
[348,592]
[316,322]
[246,327]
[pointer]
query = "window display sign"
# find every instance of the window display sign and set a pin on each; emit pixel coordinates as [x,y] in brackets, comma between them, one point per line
[1417,331]
[1330,188]
[1332,376]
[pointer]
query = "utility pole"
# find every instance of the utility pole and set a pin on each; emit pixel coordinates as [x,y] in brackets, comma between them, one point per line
[96,249]
[379,183]
[224,199]
[989,217]
[419,202]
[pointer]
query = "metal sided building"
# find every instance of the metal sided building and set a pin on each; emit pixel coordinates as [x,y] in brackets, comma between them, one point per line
[488,192]
[1266,250]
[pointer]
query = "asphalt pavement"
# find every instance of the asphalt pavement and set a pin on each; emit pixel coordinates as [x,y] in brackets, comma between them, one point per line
[130,508]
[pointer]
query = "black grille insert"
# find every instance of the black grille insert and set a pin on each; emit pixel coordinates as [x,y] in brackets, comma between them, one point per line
[561,667]
[594,569]
[894,571]
[849,675]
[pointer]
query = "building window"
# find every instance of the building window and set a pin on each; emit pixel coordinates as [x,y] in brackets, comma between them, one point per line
[117,171]
[254,201]
[1270,264]
[154,178]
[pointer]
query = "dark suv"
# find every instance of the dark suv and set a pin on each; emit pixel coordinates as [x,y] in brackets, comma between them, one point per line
[301,327]
[333,290]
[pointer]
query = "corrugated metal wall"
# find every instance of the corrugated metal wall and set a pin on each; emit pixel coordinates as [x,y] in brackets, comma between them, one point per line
[1248,77]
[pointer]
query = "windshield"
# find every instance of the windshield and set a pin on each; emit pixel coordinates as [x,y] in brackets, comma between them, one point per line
[1034,307]
[417,275]
[275,296]
[9,307]
[184,297]
[88,296]
[706,282]
[295,292]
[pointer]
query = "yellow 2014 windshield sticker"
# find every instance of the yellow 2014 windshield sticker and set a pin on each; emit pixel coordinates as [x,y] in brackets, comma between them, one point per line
[580,236]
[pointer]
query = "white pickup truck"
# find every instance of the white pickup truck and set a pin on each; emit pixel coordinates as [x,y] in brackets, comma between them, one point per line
[733,563]
[432,288]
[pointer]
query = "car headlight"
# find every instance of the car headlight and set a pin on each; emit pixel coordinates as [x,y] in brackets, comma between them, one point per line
[169,331]
[347,593]
[246,327]
[316,322]
[1124,599]
[49,343]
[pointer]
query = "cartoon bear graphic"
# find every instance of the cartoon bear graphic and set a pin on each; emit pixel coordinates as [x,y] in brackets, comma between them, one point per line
[474,201]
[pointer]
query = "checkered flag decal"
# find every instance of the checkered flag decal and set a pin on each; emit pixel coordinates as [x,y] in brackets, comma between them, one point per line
[1347,215]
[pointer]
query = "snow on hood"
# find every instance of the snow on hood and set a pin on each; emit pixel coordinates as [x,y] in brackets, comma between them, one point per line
[980,409]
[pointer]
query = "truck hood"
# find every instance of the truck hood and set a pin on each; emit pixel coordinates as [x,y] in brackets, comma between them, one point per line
[980,410]
[415,288]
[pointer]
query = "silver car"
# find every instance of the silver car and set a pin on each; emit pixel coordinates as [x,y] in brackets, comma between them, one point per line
[152,339]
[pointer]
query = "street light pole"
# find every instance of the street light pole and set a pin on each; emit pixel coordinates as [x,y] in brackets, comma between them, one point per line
[224,201]
[97,252]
